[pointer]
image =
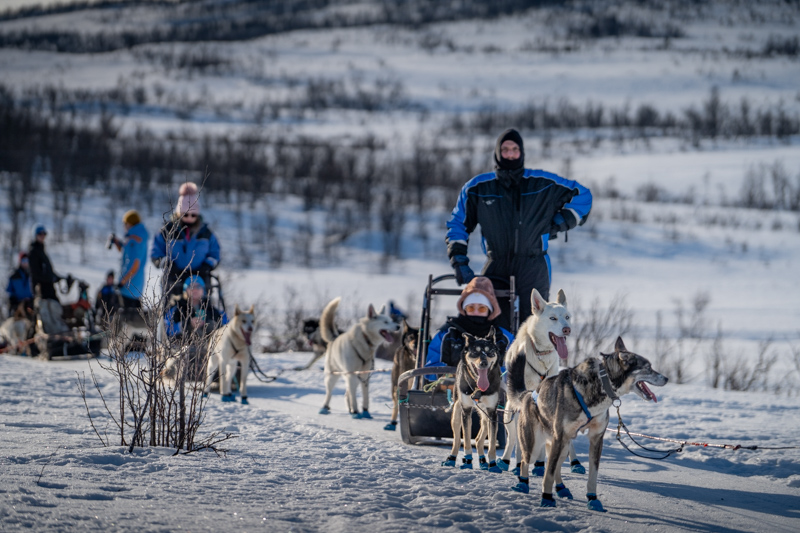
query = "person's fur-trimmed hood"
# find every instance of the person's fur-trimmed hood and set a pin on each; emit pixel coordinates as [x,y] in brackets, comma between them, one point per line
[482,285]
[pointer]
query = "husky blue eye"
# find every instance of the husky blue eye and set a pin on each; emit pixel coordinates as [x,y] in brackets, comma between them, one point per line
[553,318]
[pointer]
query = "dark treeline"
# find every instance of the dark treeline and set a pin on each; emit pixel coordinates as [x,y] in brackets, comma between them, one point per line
[234,20]
[711,119]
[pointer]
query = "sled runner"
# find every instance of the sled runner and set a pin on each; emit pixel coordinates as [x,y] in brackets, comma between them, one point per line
[424,417]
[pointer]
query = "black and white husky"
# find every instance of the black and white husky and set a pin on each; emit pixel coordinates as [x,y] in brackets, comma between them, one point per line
[352,354]
[478,385]
[578,399]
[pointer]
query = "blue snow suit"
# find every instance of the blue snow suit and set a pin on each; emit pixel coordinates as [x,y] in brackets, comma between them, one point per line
[446,346]
[177,320]
[19,287]
[134,257]
[517,220]
[192,246]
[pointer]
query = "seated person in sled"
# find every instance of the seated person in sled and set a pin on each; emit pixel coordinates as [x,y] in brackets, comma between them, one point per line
[19,284]
[189,321]
[477,311]
[107,300]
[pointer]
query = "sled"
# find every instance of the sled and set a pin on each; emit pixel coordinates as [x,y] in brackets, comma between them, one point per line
[422,416]
[66,331]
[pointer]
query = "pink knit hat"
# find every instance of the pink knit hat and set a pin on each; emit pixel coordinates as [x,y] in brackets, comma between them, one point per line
[188,201]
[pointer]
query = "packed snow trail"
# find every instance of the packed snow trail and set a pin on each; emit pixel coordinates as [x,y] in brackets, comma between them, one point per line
[292,469]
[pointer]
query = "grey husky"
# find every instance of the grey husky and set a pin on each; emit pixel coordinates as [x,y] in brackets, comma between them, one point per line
[533,356]
[478,385]
[353,351]
[578,399]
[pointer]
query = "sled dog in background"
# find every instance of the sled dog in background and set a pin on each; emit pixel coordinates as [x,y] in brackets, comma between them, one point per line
[353,351]
[478,384]
[14,330]
[318,345]
[576,400]
[230,345]
[405,359]
[533,356]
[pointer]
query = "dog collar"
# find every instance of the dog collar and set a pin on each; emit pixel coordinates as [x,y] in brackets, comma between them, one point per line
[606,381]
[536,350]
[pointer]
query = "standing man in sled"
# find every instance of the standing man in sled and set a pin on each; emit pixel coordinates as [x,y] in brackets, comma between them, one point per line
[185,246]
[519,211]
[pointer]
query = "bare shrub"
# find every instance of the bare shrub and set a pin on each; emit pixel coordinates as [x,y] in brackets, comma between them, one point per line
[160,392]
[595,327]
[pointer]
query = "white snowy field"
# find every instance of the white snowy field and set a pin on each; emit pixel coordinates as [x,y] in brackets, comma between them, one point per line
[291,469]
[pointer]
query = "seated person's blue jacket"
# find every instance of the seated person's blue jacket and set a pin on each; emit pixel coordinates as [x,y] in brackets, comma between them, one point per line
[19,286]
[178,323]
[446,346]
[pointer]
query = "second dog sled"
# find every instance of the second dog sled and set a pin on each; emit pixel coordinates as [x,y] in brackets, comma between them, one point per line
[423,418]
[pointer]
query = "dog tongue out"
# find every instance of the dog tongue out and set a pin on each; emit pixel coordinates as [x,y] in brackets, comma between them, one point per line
[647,391]
[561,345]
[483,379]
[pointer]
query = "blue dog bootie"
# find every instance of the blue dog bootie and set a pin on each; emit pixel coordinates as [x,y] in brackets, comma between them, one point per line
[594,504]
[467,462]
[228,398]
[365,415]
[538,469]
[244,401]
[516,471]
[355,416]
[391,426]
[482,464]
[502,465]
[451,461]
[522,486]
[494,469]
[563,491]
[325,410]
[547,500]
[576,467]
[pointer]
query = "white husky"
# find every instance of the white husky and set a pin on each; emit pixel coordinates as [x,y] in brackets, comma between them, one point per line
[353,351]
[230,345]
[533,356]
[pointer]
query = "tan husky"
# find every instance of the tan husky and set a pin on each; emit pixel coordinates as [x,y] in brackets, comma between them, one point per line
[230,345]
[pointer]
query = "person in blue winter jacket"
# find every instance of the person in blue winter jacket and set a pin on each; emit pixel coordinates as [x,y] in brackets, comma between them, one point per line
[519,211]
[185,246]
[478,310]
[19,284]
[134,256]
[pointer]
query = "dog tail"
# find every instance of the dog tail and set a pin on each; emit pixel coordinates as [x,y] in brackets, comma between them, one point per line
[515,366]
[327,326]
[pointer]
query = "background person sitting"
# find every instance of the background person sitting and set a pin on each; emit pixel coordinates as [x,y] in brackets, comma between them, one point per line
[107,300]
[477,311]
[192,314]
[185,245]
[134,256]
[19,284]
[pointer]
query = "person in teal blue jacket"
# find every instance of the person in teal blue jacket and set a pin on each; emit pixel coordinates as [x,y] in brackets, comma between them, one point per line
[134,257]
[19,284]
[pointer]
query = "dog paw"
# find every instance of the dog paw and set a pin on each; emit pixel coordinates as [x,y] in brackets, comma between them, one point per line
[228,398]
[521,487]
[467,463]
[547,501]
[577,468]
[502,465]
[494,469]
[365,414]
[515,471]
[482,464]
[563,492]
[391,426]
[325,411]
[451,461]
[594,504]
[244,401]
[355,416]
[538,469]
[205,395]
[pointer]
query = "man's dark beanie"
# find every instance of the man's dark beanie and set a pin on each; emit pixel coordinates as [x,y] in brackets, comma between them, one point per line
[509,164]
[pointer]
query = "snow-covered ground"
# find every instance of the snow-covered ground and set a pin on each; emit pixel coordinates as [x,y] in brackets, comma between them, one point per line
[291,469]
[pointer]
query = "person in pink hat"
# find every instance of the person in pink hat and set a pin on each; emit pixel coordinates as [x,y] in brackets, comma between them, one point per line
[185,246]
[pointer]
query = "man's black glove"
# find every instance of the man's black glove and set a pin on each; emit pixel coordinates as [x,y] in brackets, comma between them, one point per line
[157,261]
[558,224]
[463,272]
[204,270]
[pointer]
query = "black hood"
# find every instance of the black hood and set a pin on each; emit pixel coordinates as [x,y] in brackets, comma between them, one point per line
[509,164]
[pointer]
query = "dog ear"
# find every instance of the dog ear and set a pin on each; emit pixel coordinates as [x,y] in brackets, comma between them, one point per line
[371,312]
[537,302]
[383,310]
[562,298]
[493,334]
[252,309]
[467,337]
[237,311]
[619,346]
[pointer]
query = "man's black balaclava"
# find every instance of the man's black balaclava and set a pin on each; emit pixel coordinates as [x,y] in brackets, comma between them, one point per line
[509,171]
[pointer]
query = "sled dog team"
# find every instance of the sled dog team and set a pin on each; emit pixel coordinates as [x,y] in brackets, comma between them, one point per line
[545,408]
